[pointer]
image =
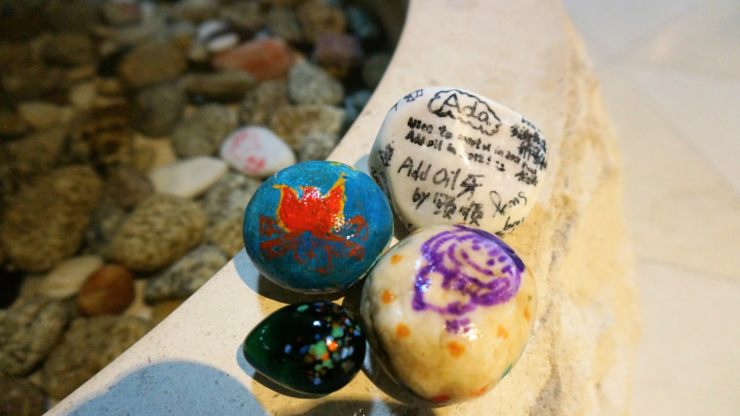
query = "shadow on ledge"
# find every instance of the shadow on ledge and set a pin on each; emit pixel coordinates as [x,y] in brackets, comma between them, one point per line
[173,387]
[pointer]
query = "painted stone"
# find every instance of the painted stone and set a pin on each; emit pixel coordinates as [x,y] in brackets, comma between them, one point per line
[313,348]
[256,151]
[448,311]
[317,226]
[450,155]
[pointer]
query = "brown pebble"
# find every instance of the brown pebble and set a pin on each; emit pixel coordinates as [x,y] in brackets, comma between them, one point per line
[108,291]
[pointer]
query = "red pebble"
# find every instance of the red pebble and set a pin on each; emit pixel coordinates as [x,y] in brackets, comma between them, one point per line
[338,50]
[108,291]
[265,59]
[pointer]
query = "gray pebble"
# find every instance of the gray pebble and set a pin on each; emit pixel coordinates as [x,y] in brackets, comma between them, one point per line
[157,109]
[230,196]
[309,84]
[293,123]
[227,235]
[159,231]
[201,134]
[20,398]
[262,101]
[317,146]
[28,332]
[186,276]
[283,22]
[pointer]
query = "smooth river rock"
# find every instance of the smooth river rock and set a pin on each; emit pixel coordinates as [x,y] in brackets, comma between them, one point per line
[188,178]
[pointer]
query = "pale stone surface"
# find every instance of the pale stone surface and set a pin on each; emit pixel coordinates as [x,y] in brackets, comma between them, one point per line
[256,151]
[66,279]
[449,155]
[188,178]
[580,358]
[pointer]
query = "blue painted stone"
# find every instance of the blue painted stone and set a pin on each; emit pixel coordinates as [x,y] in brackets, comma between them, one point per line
[317,226]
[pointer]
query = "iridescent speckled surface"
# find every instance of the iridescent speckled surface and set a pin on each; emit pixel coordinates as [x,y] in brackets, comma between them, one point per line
[315,348]
[448,310]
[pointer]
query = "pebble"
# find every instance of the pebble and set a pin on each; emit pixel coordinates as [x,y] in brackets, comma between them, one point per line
[157,109]
[246,16]
[154,152]
[202,133]
[309,84]
[340,52]
[256,151]
[159,231]
[188,178]
[65,280]
[283,22]
[317,227]
[46,222]
[69,48]
[229,196]
[464,296]
[226,235]
[108,291]
[121,13]
[293,123]
[208,30]
[220,86]
[89,345]
[494,159]
[72,16]
[374,68]
[361,23]
[29,329]
[315,348]
[262,101]
[11,124]
[38,152]
[84,95]
[41,115]
[20,398]
[222,42]
[186,276]
[269,58]
[196,10]
[319,17]
[104,224]
[317,146]
[127,187]
[150,63]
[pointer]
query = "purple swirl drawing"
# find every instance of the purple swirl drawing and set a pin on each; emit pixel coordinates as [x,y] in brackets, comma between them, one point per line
[492,283]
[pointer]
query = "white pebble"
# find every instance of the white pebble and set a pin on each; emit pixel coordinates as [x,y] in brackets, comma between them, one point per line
[67,278]
[257,151]
[188,178]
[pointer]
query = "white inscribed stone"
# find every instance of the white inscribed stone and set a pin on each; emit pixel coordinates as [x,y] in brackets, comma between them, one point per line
[257,151]
[65,280]
[188,178]
[449,155]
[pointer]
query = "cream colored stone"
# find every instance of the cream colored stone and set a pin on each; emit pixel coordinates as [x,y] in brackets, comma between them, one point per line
[579,359]
[66,279]
[188,178]
[444,154]
[41,115]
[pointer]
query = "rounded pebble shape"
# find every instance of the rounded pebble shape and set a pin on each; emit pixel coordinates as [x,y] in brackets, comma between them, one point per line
[65,280]
[256,151]
[188,178]
[313,348]
[448,311]
[108,291]
[317,226]
[450,155]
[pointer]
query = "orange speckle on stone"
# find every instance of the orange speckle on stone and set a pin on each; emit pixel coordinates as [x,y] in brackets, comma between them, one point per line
[332,345]
[325,356]
[479,392]
[402,331]
[440,398]
[388,297]
[502,332]
[396,258]
[527,316]
[455,349]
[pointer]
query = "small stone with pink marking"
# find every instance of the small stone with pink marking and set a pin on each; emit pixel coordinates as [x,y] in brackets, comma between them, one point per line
[257,151]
